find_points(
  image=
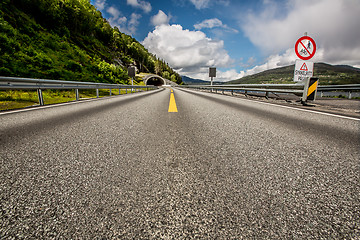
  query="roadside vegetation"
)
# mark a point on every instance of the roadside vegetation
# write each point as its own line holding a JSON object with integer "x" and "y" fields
{"x": 14, "y": 99}
{"x": 67, "y": 40}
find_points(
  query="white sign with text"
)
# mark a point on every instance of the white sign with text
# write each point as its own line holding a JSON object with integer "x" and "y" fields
{"x": 303, "y": 70}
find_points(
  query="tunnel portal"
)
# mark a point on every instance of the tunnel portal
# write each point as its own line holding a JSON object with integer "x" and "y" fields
{"x": 155, "y": 81}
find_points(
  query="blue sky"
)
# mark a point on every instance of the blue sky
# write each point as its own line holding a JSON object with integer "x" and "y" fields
{"x": 238, "y": 37}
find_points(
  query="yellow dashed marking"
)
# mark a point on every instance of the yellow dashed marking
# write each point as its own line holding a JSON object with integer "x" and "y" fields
{"x": 172, "y": 103}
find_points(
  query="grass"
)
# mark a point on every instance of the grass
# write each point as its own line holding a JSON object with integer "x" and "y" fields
{"x": 15, "y": 99}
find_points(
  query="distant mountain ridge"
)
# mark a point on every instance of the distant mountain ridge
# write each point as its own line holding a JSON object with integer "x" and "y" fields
{"x": 328, "y": 75}
{"x": 192, "y": 81}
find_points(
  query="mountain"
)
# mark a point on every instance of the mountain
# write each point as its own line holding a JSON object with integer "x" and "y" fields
{"x": 327, "y": 74}
{"x": 69, "y": 40}
{"x": 191, "y": 81}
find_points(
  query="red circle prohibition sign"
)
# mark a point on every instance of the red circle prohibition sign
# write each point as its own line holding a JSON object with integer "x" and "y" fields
{"x": 305, "y": 48}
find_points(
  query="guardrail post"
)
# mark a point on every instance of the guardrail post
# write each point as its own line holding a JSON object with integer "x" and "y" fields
{"x": 119, "y": 91}
{"x": 305, "y": 91}
{"x": 246, "y": 93}
{"x": 110, "y": 91}
{"x": 40, "y": 96}
{"x": 267, "y": 95}
{"x": 97, "y": 93}
{"x": 349, "y": 94}
{"x": 77, "y": 94}
{"x": 310, "y": 89}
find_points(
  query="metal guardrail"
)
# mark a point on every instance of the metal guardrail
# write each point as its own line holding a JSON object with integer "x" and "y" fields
{"x": 349, "y": 88}
{"x": 296, "y": 89}
{"x": 281, "y": 88}
{"x": 41, "y": 84}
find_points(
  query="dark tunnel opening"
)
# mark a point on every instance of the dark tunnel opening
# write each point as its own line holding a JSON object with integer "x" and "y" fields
{"x": 155, "y": 82}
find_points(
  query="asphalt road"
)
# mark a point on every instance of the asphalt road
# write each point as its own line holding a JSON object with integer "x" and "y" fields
{"x": 219, "y": 168}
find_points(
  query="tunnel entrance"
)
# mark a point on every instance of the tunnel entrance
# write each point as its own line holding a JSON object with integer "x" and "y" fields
{"x": 155, "y": 81}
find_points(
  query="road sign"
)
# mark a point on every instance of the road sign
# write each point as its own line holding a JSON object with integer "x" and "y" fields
{"x": 303, "y": 70}
{"x": 131, "y": 71}
{"x": 212, "y": 72}
{"x": 305, "y": 48}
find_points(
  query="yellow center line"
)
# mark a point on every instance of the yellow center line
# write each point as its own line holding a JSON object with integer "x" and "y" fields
{"x": 172, "y": 103}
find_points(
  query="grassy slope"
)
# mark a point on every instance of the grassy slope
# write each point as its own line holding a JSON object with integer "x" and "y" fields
{"x": 69, "y": 40}
{"x": 30, "y": 50}
{"x": 33, "y": 44}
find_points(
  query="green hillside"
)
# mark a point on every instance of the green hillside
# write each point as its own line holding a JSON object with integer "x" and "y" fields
{"x": 327, "y": 74}
{"x": 69, "y": 40}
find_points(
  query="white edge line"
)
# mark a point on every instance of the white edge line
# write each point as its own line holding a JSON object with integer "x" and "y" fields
{"x": 61, "y": 104}
{"x": 304, "y": 110}
{"x": 47, "y": 106}
{"x": 299, "y": 109}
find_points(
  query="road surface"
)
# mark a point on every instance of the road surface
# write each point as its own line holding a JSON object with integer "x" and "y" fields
{"x": 219, "y": 168}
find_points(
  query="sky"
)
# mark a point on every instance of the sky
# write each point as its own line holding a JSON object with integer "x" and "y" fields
{"x": 238, "y": 37}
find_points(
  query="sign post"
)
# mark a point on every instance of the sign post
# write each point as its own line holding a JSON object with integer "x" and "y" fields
{"x": 305, "y": 48}
{"x": 212, "y": 74}
{"x": 131, "y": 73}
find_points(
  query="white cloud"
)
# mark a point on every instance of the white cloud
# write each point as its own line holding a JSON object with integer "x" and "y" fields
{"x": 200, "y": 4}
{"x": 145, "y": 6}
{"x": 160, "y": 18}
{"x": 209, "y": 23}
{"x": 121, "y": 21}
{"x": 190, "y": 52}
{"x": 274, "y": 61}
{"x": 281, "y": 60}
{"x": 231, "y": 74}
{"x": 133, "y": 23}
{"x": 214, "y": 23}
{"x": 100, "y": 4}
{"x": 332, "y": 23}
{"x": 115, "y": 13}
{"x": 125, "y": 26}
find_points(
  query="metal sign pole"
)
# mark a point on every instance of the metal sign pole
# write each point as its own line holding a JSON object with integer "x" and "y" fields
{"x": 132, "y": 73}
{"x": 212, "y": 74}
{"x": 132, "y": 84}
